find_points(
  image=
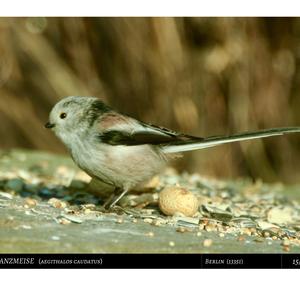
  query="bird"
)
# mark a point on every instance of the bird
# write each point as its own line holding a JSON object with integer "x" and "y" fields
{"x": 122, "y": 151}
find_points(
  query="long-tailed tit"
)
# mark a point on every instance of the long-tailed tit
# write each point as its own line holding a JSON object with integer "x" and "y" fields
{"x": 122, "y": 151}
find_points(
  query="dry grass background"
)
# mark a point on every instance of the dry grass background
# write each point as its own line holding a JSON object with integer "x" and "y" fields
{"x": 203, "y": 76}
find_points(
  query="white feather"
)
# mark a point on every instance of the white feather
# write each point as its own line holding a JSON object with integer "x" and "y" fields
{"x": 214, "y": 141}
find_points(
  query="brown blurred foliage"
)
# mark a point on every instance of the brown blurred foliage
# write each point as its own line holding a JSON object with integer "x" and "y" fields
{"x": 202, "y": 76}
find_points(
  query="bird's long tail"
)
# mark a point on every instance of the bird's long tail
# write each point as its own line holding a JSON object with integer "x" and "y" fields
{"x": 218, "y": 140}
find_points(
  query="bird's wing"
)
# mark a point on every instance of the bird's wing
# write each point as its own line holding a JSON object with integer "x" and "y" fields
{"x": 117, "y": 129}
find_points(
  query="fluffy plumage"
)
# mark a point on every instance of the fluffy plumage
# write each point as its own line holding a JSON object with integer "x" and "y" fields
{"x": 122, "y": 151}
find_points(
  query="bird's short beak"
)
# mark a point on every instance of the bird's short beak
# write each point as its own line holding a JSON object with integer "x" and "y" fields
{"x": 49, "y": 125}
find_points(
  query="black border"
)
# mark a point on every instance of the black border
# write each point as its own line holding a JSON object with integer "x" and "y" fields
{"x": 149, "y": 261}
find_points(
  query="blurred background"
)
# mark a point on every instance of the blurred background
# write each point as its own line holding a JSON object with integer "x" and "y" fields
{"x": 201, "y": 76}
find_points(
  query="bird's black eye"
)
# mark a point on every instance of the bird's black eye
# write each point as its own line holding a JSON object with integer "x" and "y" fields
{"x": 63, "y": 115}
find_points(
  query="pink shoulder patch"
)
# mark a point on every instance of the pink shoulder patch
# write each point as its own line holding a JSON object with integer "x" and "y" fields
{"x": 111, "y": 119}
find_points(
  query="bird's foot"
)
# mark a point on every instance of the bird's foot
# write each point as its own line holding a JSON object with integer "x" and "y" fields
{"x": 110, "y": 203}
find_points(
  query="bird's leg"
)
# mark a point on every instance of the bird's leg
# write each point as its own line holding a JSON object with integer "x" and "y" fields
{"x": 118, "y": 198}
{"x": 112, "y": 202}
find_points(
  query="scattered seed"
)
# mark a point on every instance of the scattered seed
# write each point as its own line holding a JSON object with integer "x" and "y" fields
{"x": 201, "y": 226}
{"x": 241, "y": 238}
{"x": 181, "y": 229}
{"x": 286, "y": 248}
{"x": 90, "y": 206}
{"x": 119, "y": 220}
{"x": 286, "y": 242}
{"x": 148, "y": 220}
{"x": 64, "y": 221}
{"x": 26, "y": 226}
{"x": 210, "y": 227}
{"x": 156, "y": 222}
{"x": 72, "y": 218}
{"x": 56, "y": 203}
{"x": 259, "y": 240}
{"x": 29, "y": 202}
{"x": 207, "y": 242}
{"x": 150, "y": 234}
{"x": 246, "y": 231}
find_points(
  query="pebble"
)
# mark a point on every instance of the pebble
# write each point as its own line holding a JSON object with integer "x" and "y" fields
{"x": 148, "y": 211}
{"x": 56, "y": 203}
{"x": 15, "y": 185}
{"x": 225, "y": 194}
{"x": 45, "y": 192}
{"x": 32, "y": 188}
{"x": 5, "y": 195}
